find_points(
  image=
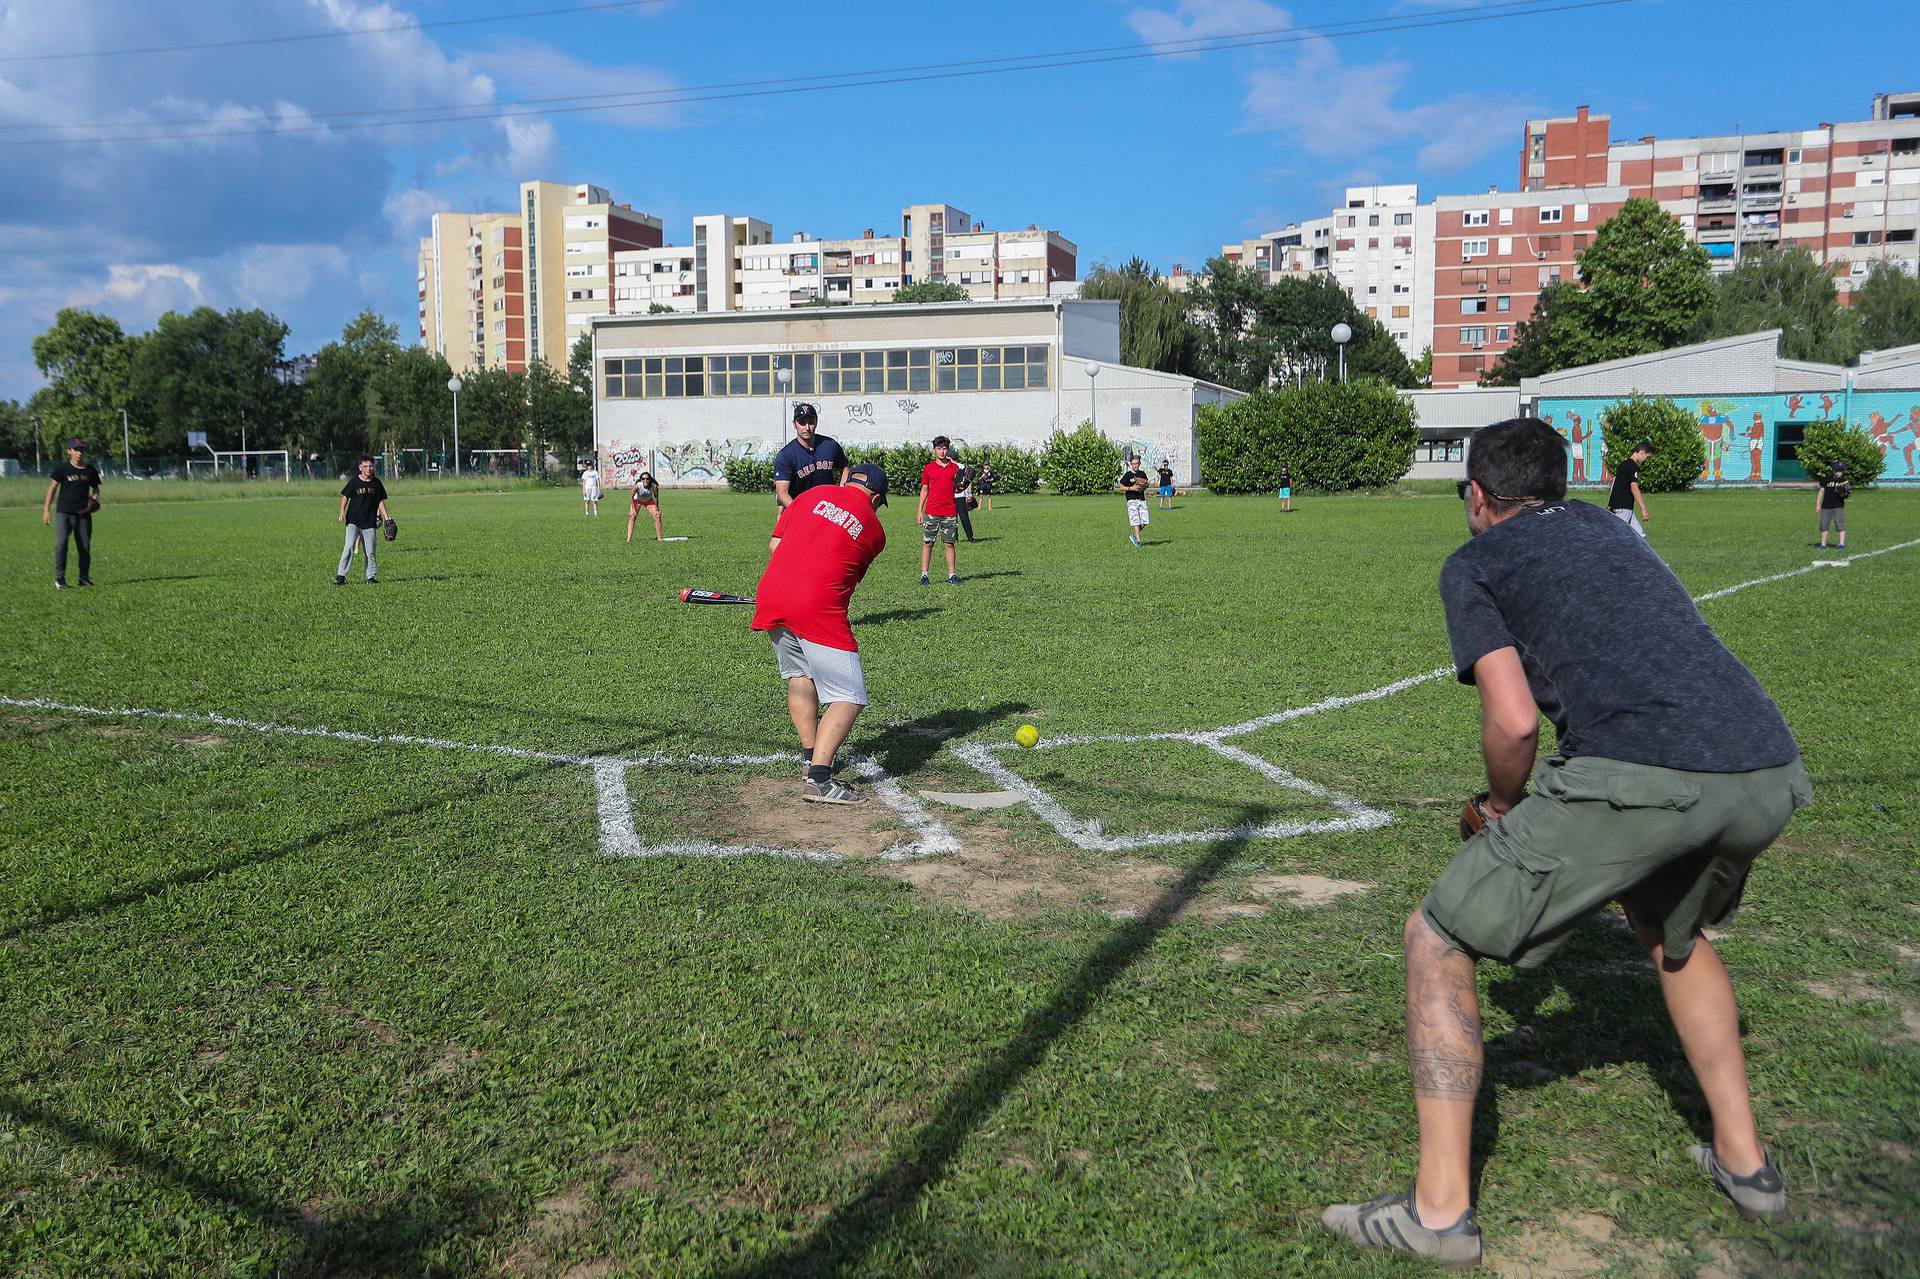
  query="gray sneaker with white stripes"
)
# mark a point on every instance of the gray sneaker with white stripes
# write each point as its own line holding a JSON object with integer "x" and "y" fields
{"x": 1389, "y": 1222}
{"x": 831, "y": 791}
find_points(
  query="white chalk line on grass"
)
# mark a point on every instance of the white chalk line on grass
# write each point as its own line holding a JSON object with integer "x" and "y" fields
{"x": 618, "y": 835}
{"x": 1089, "y": 835}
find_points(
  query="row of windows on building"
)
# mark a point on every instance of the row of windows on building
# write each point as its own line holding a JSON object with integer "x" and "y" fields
{"x": 912, "y": 370}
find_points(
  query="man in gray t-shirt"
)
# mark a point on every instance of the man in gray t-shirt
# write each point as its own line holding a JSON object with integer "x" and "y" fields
{"x": 1672, "y": 771}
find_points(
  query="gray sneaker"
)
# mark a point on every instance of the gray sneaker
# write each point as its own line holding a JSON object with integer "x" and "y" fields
{"x": 831, "y": 791}
{"x": 1759, "y": 1197}
{"x": 1389, "y": 1222}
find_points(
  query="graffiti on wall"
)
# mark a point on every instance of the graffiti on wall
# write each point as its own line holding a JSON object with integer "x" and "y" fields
{"x": 1740, "y": 433}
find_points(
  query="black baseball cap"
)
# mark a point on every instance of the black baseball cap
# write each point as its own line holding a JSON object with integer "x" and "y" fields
{"x": 77, "y": 443}
{"x": 874, "y": 477}
{"x": 805, "y": 412}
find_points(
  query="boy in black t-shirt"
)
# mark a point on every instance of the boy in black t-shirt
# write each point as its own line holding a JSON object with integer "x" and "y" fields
{"x": 363, "y": 508}
{"x": 1166, "y": 485}
{"x": 1133, "y": 485}
{"x": 76, "y": 484}
{"x": 1831, "y": 502}
{"x": 1626, "y": 489}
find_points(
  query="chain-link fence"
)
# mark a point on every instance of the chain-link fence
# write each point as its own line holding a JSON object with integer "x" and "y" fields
{"x": 304, "y": 464}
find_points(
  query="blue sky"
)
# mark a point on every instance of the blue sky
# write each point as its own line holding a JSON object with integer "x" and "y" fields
{"x": 1165, "y": 158}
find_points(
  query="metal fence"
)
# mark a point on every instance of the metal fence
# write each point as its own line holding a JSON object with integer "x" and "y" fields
{"x": 308, "y": 465}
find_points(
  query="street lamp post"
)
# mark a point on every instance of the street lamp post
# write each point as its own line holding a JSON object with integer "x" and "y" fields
{"x": 126, "y": 443}
{"x": 1342, "y": 334}
{"x": 1093, "y": 397}
{"x": 784, "y": 376}
{"x": 454, "y": 384}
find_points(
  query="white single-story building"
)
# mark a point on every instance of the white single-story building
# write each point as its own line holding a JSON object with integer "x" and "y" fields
{"x": 680, "y": 395}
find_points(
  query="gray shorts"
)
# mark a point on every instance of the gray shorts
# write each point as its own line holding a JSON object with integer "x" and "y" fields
{"x": 836, "y": 674}
{"x": 1626, "y": 516}
{"x": 946, "y": 528}
{"x": 1833, "y": 519}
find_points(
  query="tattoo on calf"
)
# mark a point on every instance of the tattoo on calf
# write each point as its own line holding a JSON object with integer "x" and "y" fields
{"x": 1454, "y": 1078}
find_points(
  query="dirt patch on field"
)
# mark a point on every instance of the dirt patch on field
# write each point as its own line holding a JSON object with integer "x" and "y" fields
{"x": 1575, "y": 1245}
{"x": 768, "y": 811}
{"x": 553, "y": 1216}
{"x": 200, "y": 739}
{"x": 1002, "y": 876}
{"x": 1854, "y": 988}
{"x": 118, "y": 730}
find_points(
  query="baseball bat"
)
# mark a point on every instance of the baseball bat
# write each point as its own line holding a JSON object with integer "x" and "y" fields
{"x": 693, "y": 596}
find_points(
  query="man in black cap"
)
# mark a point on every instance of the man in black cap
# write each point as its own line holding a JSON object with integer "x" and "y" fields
{"x": 72, "y": 498}
{"x": 809, "y": 458}
{"x": 1626, "y": 489}
{"x": 821, "y": 548}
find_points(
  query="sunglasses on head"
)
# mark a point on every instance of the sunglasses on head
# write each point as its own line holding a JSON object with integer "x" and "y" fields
{"x": 1461, "y": 487}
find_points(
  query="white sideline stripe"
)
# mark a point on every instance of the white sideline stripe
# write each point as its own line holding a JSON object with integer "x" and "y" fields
{"x": 1088, "y": 834}
{"x": 614, "y": 802}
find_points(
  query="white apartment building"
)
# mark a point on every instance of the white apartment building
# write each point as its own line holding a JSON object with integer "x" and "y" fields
{"x": 1382, "y": 255}
{"x": 571, "y": 234}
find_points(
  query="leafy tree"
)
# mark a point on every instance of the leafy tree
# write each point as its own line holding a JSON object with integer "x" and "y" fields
{"x": 1331, "y": 435}
{"x": 1783, "y": 289}
{"x": 333, "y": 410}
{"x": 1888, "y": 304}
{"x": 1226, "y": 301}
{"x": 1156, "y": 324}
{"x": 931, "y": 291}
{"x": 1423, "y": 368}
{"x": 1080, "y": 463}
{"x": 1253, "y": 333}
{"x": 414, "y": 403}
{"x": 16, "y": 430}
{"x": 1679, "y": 453}
{"x": 1828, "y": 442}
{"x": 557, "y": 411}
{"x": 655, "y": 308}
{"x": 580, "y": 365}
{"x": 217, "y": 372}
{"x": 1643, "y": 287}
{"x": 87, "y": 360}
{"x": 493, "y": 408}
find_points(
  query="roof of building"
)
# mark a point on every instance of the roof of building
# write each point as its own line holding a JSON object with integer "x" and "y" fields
{"x": 862, "y": 310}
{"x": 1747, "y": 364}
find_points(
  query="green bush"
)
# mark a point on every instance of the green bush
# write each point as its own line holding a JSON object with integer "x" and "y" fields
{"x": 1679, "y": 454}
{"x": 902, "y": 463}
{"x": 1830, "y": 442}
{"x": 1331, "y": 435}
{"x": 750, "y": 474}
{"x": 1083, "y": 462}
{"x": 1015, "y": 470}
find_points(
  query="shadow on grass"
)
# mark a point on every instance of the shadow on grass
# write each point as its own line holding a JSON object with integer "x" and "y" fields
{"x": 902, "y": 748}
{"x": 999, "y": 572}
{"x": 406, "y": 1238}
{"x": 894, "y": 615}
{"x": 352, "y": 830}
{"x": 894, "y": 1194}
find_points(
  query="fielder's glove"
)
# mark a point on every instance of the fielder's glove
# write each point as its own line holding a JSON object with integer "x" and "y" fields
{"x": 390, "y": 530}
{"x": 1474, "y": 816}
{"x": 93, "y": 504}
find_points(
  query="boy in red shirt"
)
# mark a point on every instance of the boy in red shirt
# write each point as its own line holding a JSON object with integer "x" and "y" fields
{"x": 822, "y": 545}
{"x": 939, "y": 515}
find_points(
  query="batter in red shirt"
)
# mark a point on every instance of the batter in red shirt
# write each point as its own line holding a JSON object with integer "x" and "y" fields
{"x": 822, "y": 545}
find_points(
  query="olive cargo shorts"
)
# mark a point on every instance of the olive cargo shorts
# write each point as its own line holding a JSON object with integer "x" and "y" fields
{"x": 1674, "y": 846}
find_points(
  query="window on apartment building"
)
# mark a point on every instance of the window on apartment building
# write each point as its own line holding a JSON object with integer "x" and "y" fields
{"x": 1403, "y": 288}
{"x": 1580, "y": 242}
{"x": 1905, "y": 146}
{"x": 1503, "y": 303}
{"x": 1373, "y": 219}
{"x": 1474, "y": 217}
{"x": 1373, "y": 288}
{"x": 1549, "y": 214}
{"x": 1475, "y": 335}
{"x": 1503, "y": 276}
{"x": 1501, "y": 333}
{"x": 1473, "y": 248}
{"x": 1403, "y": 219}
{"x": 1506, "y": 217}
{"x": 1403, "y": 243}
{"x": 1549, "y": 275}
{"x": 1580, "y": 212}
{"x": 1549, "y": 244}
{"x": 1402, "y": 312}
{"x": 1902, "y": 236}
{"x": 499, "y": 259}
{"x": 1506, "y": 245}
{"x": 1473, "y": 306}
{"x": 1793, "y": 155}
{"x": 1475, "y": 276}
{"x": 1861, "y": 238}
{"x": 1342, "y": 246}
{"x": 1474, "y": 364}
{"x": 1373, "y": 244}
{"x": 1346, "y": 220}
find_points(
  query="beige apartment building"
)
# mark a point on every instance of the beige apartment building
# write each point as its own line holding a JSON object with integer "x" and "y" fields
{"x": 471, "y": 294}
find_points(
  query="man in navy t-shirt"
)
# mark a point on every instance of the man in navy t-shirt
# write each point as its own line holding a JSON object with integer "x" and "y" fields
{"x": 809, "y": 459}
{"x": 1671, "y": 771}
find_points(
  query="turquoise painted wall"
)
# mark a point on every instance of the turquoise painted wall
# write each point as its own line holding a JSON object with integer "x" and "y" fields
{"x": 1741, "y": 432}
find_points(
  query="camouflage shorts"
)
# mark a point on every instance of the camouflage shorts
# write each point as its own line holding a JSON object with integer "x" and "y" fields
{"x": 942, "y": 528}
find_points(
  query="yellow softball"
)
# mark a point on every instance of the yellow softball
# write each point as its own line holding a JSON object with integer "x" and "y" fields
{"x": 1027, "y": 735}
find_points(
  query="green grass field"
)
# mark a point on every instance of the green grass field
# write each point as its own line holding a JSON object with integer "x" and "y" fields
{"x": 304, "y": 1004}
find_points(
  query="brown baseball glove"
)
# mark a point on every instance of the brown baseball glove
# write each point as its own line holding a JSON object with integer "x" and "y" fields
{"x": 1474, "y": 816}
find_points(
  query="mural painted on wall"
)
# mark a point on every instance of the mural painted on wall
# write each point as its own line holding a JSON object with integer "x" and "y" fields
{"x": 1742, "y": 433}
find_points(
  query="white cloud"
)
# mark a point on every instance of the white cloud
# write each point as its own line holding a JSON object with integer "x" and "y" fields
{"x": 1202, "y": 19}
{"x": 529, "y": 69}
{"x": 1352, "y": 110}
